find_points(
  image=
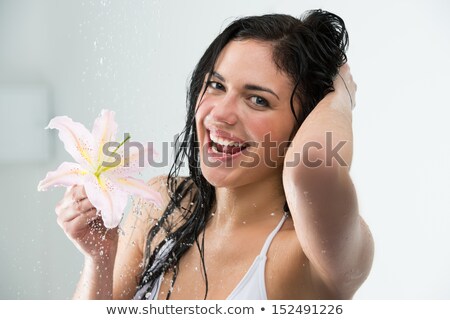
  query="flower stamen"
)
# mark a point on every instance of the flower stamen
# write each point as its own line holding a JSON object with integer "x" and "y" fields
{"x": 100, "y": 168}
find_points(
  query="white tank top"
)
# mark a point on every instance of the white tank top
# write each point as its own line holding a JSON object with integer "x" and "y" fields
{"x": 251, "y": 287}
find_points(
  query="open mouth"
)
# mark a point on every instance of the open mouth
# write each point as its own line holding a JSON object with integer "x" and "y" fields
{"x": 223, "y": 146}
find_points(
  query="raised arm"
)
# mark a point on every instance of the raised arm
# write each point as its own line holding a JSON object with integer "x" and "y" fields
{"x": 322, "y": 197}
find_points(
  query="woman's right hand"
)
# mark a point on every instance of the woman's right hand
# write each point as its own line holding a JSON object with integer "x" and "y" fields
{"x": 84, "y": 226}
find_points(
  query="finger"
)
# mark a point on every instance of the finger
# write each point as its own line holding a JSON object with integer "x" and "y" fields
{"x": 78, "y": 193}
{"x": 82, "y": 205}
{"x": 73, "y": 214}
{"x": 75, "y": 226}
{"x": 345, "y": 68}
{"x": 69, "y": 189}
{"x": 67, "y": 217}
{"x": 70, "y": 205}
{"x": 75, "y": 192}
{"x": 63, "y": 203}
{"x": 70, "y": 196}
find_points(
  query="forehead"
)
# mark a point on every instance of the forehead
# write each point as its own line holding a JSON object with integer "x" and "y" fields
{"x": 251, "y": 61}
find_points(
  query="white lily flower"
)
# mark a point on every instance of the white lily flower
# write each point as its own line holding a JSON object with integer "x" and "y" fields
{"x": 107, "y": 181}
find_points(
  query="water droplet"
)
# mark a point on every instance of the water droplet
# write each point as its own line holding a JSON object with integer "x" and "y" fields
{"x": 101, "y": 252}
{"x": 272, "y": 214}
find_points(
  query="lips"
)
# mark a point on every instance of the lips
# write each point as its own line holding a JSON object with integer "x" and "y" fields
{"x": 225, "y": 144}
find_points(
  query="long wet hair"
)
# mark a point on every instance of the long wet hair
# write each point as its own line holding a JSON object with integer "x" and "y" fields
{"x": 310, "y": 51}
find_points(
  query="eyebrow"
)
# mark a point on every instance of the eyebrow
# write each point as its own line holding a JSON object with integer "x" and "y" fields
{"x": 247, "y": 86}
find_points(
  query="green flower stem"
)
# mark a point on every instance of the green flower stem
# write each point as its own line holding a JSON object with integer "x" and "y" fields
{"x": 100, "y": 168}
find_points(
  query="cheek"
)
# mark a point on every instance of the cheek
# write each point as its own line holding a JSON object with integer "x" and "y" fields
{"x": 273, "y": 137}
{"x": 201, "y": 115}
{"x": 200, "y": 111}
{"x": 268, "y": 129}
{"x": 203, "y": 108}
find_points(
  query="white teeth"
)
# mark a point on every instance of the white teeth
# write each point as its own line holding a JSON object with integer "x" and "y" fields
{"x": 223, "y": 141}
{"x": 215, "y": 149}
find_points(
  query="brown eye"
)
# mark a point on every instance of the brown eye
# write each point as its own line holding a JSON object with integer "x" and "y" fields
{"x": 259, "y": 101}
{"x": 215, "y": 85}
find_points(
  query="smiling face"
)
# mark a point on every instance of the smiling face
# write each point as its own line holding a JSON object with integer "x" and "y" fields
{"x": 244, "y": 117}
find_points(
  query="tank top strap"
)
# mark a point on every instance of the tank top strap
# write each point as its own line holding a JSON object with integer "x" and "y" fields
{"x": 269, "y": 239}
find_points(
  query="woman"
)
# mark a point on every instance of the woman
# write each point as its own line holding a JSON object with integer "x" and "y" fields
{"x": 269, "y": 210}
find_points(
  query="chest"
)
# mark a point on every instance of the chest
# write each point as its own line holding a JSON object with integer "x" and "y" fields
{"x": 228, "y": 261}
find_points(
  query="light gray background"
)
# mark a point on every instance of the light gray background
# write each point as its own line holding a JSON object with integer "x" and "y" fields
{"x": 135, "y": 57}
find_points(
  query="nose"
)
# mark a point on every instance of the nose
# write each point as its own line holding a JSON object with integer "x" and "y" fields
{"x": 225, "y": 109}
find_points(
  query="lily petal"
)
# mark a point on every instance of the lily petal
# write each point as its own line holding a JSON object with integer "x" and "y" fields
{"x": 103, "y": 131}
{"x": 140, "y": 188}
{"x": 133, "y": 162}
{"x": 67, "y": 174}
{"x": 78, "y": 141}
{"x": 107, "y": 198}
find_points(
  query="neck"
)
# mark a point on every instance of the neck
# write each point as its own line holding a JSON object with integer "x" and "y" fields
{"x": 244, "y": 205}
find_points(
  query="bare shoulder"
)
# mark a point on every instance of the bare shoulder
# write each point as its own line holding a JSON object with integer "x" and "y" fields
{"x": 133, "y": 247}
{"x": 144, "y": 214}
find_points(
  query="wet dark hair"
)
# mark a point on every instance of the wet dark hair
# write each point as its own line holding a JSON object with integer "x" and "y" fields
{"x": 310, "y": 51}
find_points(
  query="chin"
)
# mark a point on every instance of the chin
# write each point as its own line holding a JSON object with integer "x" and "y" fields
{"x": 220, "y": 179}
{"x": 233, "y": 177}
